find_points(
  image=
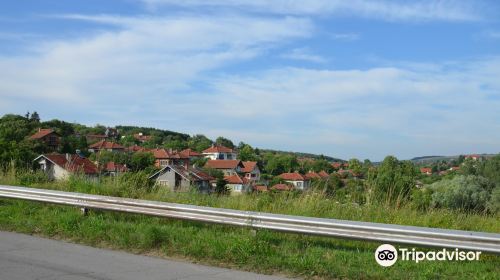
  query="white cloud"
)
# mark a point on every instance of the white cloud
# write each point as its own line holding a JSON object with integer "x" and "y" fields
{"x": 304, "y": 54}
{"x": 345, "y": 36}
{"x": 422, "y": 10}
{"x": 154, "y": 56}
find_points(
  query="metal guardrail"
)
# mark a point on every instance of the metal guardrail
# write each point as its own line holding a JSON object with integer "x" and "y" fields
{"x": 376, "y": 232}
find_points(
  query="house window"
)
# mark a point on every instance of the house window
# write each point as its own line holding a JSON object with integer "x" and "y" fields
{"x": 299, "y": 185}
{"x": 254, "y": 175}
{"x": 163, "y": 162}
{"x": 220, "y": 156}
{"x": 229, "y": 156}
{"x": 163, "y": 182}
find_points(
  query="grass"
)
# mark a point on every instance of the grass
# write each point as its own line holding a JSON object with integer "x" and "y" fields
{"x": 262, "y": 251}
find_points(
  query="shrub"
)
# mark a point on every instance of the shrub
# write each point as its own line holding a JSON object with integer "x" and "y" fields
{"x": 469, "y": 193}
{"x": 30, "y": 177}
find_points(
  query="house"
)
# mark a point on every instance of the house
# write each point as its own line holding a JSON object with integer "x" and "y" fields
{"x": 323, "y": 174}
{"x": 282, "y": 187}
{"x": 191, "y": 154}
{"x": 237, "y": 184}
{"x": 312, "y": 175}
{"x": 48, "y": 136}
{"x": 142, "y": 138}
{"x": 104, "y": 145}
{"x": 260, "y": 188}
{"x": 217, "y": 152}
{"x": 60, "y": 167}
{"x": 251, "y": 171}
{"x": 426, "y": 170}
{"x": 135, "y": 148}
{"x": 228, "y": 167}
{"x": 164, "y": 157}
{"x": 113, "y": 169}
{"x": 296, "y": 179}
{"x": 182, "y": 178}
{"x": 473, "y": 157}
{"x": 454, "y": 168}
{"x": 340, "y": 165}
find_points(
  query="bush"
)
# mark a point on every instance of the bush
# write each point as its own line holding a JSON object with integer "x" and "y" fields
{"x": 469, "y": 193}
{"x": 494, "y": 204}
{"x": 422, "y": 198}
{"x": 29, "y": 177}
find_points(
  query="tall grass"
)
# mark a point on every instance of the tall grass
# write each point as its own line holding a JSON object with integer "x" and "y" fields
{"x": 263, "y": 251}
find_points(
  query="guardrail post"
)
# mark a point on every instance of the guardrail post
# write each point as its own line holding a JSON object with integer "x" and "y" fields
{"x": 85, "y": 211}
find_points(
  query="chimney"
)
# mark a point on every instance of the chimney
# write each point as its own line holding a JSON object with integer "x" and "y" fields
{"x": 68, "y": 157}
{"x": 140, "y": 133}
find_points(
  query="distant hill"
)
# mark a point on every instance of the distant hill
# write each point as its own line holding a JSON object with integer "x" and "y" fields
{"x": 432, "y": 159}
{"x": 304, "y": 155}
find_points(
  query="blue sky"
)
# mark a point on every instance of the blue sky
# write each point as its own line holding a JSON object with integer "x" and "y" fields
{"x": 348, "y": 79}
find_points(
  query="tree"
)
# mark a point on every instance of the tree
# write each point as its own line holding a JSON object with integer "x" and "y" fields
{"x": 221, "y": 187}
{"x": 141, "y": 160}
{"x": 199, "y": 142}
{"x": 393, "y": 181}
{"x": 355, "y": 166}
{"x": 246, "y": 153}
{"x": 35, "y": 117}
{"x": 221, "y": 141}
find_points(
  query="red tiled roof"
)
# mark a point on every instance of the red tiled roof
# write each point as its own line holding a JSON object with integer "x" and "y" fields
{"x": 223, "y": 164}
{"x": 218, "y": 149}
{"x": 282, "y": 187}
{"x": 103, "y": 144}
{"x": 312, "y": 175}
{"x": 234, "y": 179}
{"x": 167, "y": 154}
{"x": 75, "y": 163}
{"x": 115, "y": 167}
{"x": 292, "y": 176}
{"x": 142, "y": 138}
{"x": 323, "y": 174}
{"x": 42, "y": 132}
{"x": 260, "y": 188}
{"x": 190, "y": 153}
{"x": 248, "y": 166}
{"x": 426, "y": 170}
{"x": 136, "y": 148}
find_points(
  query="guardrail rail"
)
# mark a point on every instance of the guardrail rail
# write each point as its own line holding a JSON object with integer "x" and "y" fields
{"x": 376, "y": 232}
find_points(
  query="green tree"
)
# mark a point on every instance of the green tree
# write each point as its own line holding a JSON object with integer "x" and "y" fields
{"x": 221, "y": 141}
{"x": 141, "y": 160}
{"x": 246, "y": 153}
{"x": 393, "y": 180}
{"x": 355, "y": 166}
{"x": 199, "y": 142}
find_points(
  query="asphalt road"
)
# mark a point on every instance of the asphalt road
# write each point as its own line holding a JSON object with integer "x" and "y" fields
{"x": 26, "y": 257}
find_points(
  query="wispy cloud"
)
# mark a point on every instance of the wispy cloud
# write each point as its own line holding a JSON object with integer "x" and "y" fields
{"x": 304, "y": 54}
{"x": 345, "y": 36}
{"x": 422, "y": 10}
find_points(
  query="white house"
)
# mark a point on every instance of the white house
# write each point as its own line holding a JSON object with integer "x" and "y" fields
{"x": 219, "y": 153}
{"x": 60, "y": 167}
{"x": 297, "y": 180}
{"x": 251, "y": 171}
{"x": 237, "y": 184}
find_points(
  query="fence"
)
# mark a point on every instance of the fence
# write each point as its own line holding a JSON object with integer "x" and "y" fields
{"x": 375, "y": 232}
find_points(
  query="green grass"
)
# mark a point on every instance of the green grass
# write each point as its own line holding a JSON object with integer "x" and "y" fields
{"x": 262, "y": 251}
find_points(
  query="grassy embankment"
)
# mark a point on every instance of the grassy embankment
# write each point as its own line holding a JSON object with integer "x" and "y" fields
{"x": 265, "y": 251}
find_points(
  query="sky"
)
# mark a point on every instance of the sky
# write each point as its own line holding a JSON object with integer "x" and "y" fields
{"x": 347, "y": 79}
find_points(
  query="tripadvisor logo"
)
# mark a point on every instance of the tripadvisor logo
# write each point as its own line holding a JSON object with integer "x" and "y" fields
{"x": 387, "y": 255}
